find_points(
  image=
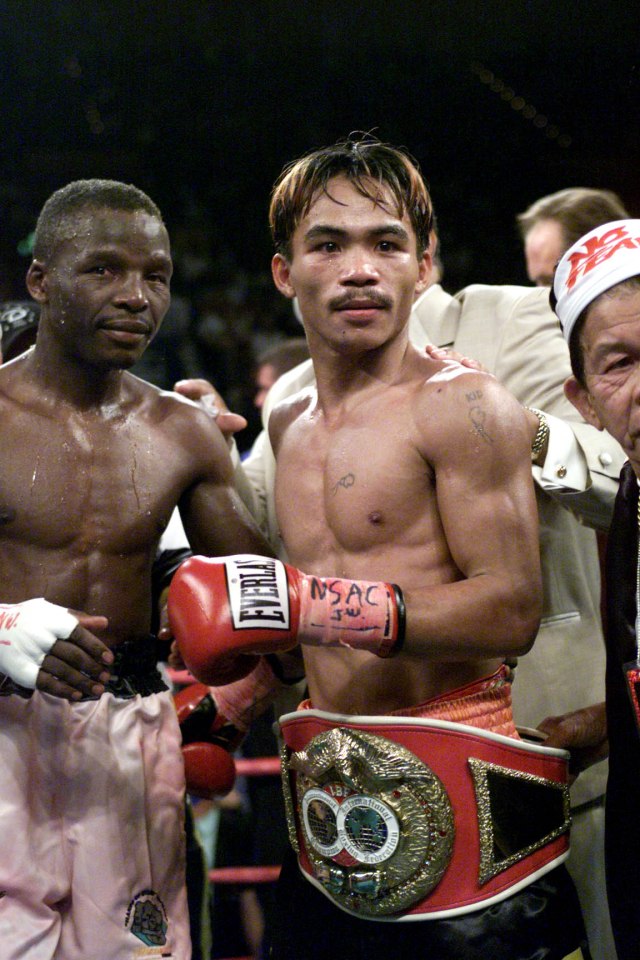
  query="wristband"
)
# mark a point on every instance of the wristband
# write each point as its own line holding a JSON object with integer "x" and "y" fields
{"x": 28, "y": 630}
{"x": 359, "y": 614}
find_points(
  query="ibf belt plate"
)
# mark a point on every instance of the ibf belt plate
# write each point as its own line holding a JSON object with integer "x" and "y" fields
{"x": 376, "y": 822}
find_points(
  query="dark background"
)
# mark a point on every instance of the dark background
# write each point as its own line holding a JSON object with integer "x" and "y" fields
{"x": 201, "y": 104}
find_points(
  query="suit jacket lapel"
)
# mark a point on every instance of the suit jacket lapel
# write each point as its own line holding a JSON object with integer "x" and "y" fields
{"x": 434, "y": 318}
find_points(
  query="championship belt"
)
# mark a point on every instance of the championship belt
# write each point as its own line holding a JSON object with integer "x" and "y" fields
{"x": 399, "y": 818}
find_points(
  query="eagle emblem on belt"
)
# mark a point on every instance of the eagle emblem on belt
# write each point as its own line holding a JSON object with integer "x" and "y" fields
{"x": 376, "y": 822}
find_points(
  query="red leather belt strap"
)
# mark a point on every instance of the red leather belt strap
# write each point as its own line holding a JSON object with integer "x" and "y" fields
{"x": 399, "y": 818}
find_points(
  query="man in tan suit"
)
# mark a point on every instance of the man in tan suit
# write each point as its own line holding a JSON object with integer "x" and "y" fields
{"x": 514, "y": 334}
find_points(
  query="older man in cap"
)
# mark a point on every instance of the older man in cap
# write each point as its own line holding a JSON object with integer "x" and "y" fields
{"x": 596, "y": 295}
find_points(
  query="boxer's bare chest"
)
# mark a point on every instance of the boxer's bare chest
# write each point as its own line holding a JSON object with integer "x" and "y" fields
{"x": 81, "y": 482}
{"x": 352, "y": 485}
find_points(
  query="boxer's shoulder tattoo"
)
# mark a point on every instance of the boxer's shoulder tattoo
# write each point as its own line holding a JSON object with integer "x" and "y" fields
{"x": 346, "y": 481}
{"x": 477, "y": 415}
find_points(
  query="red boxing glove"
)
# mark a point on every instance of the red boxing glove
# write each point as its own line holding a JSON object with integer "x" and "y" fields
{"x": 213, "y": 722}
{"x": 207, "y": 739}
{"x": 200, "y": 718}
{"x": 209, "y": 770}
{"x": 226, "y": 611}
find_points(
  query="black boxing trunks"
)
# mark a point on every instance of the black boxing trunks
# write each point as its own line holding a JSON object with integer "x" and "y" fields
{"x": 541, "y": 922}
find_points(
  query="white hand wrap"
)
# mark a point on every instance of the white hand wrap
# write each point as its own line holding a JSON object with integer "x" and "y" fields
{"x": 27, "y": 632}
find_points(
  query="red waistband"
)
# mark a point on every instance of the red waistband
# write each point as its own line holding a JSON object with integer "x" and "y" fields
{"x": 409, "y": 819}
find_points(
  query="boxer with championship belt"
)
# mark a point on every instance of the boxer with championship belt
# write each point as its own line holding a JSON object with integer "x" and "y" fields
{"x": 421, "y": 824}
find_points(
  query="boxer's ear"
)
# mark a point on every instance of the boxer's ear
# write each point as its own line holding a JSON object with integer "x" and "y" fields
{"x": 37, "y": 281}
{"x": 425, "y": 271}
{"x": 281, "y": 272}
{"x": 580, "y": 397}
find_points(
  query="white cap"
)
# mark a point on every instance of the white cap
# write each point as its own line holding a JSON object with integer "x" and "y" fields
{"x": 598, "y": 261}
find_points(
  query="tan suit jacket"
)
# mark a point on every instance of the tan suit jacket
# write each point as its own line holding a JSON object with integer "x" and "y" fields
{"x": 514, "y": 334}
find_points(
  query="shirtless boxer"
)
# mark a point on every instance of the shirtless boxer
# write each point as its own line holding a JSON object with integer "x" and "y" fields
{"x": 94, "y": 462}
{"x": 411, "y": 476}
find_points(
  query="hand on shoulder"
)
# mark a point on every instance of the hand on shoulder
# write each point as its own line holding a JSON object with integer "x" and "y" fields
{"x": 448, "y": 355}
{"x": 205, "y": 395}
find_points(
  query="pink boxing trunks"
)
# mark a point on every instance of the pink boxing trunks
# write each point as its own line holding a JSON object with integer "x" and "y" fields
{"x": 92, "y": 829}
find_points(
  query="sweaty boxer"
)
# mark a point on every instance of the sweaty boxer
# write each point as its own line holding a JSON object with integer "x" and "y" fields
{"x": 94, "y": 461}
{"x": 422, "y": 825}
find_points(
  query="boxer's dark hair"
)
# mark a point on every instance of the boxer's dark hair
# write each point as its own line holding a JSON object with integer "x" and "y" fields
{"x": 370, "y": 165}
{"x": 64, "y": 206}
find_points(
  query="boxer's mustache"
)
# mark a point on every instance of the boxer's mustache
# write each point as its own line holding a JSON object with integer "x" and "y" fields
{"x": 360, "y": 298}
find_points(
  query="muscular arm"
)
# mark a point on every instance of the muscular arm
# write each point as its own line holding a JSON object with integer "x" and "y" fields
{"x": 215, "y": 519}
{"x": 514, "y": 333}
{"x": 479, "y": 451}
{"x": 205, "y": 395}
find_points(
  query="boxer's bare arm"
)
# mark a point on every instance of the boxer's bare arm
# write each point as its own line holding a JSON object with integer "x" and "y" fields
{"x": 476, "y": 437}
{"x": 215, "y": 519}
{"x": 207, "y": 397}
{"x": 447, "y": 353}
